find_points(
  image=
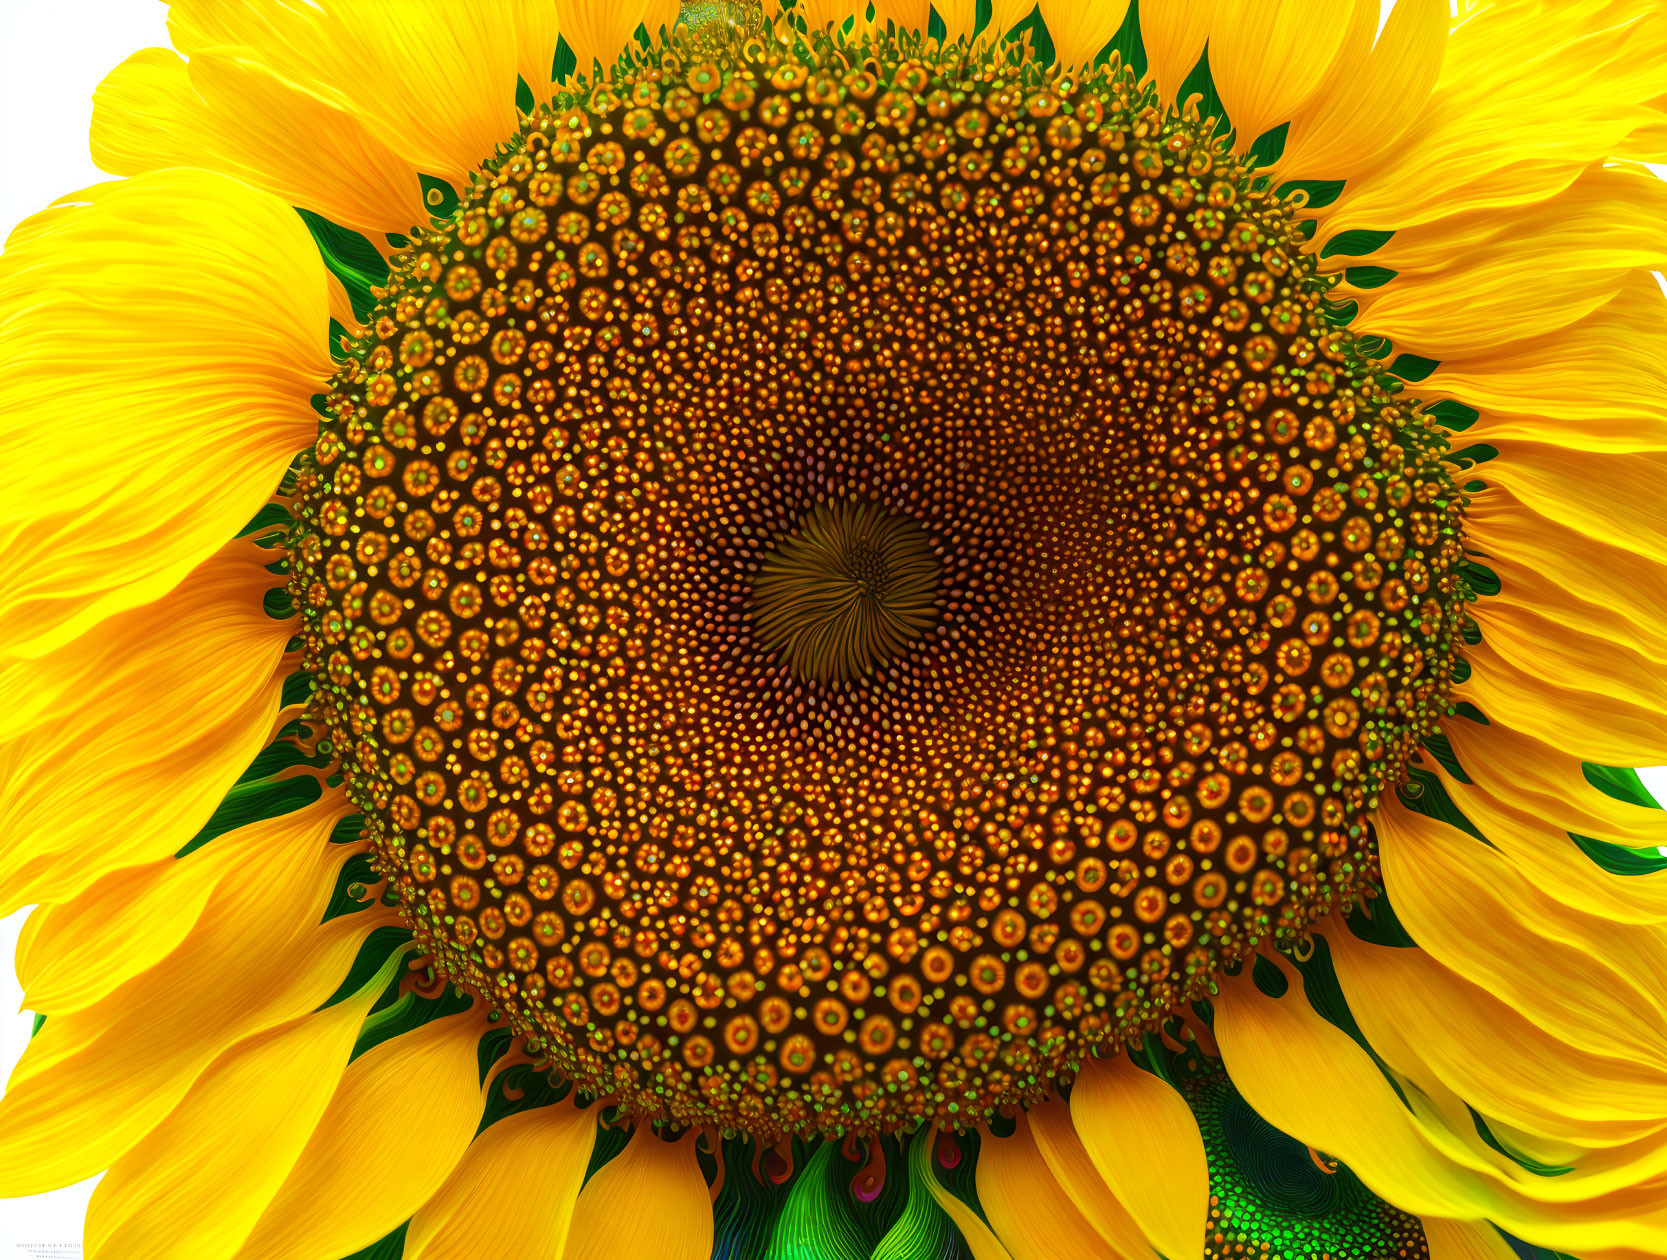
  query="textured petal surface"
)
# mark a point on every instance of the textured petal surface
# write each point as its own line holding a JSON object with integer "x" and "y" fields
{"x": 399, "y": 1122}
{"x": 1373, "y": 92}
{"x": 1145, "y": 1143}
{"x": 97, "y": 1079}
{"x": 1267, "y": 58}
{"x": 512, "y": 1193}
{"x": 611, "y": 1221}
{"x": 434, "y": 83}
{"x": 228, "y": 111}
{"x": 124, "y": 740}
{"x": 196, "y": 1184}
{"x": 1035, "y": 1216}
{"x": 190, "y": 313}
{"x": 1080, "y": 30}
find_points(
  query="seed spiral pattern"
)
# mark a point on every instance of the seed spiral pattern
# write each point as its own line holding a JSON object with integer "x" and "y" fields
{"x": 1173, "y": 576}
{"x": 849, "y": 588}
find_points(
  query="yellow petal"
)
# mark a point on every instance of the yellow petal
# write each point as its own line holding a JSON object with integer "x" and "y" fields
{"x": 97, "y": 1079}
{"x": 77, "y": 952}
{"x": 1268, "y": 57}
{"x": 983, "y": 1244}
{"x": 162, "y": 338}
{"x": 1467, "y": 287}
{"x": 611, "y": 1223}
{"x": 1174, "y": 32}
{"x": 1030, "y": 1212}
{"x": 1372, "y": 93}
{"x": 512, "y": 1193}
{"x": 1465, "y": 1240}
{"x": 909, "y": 15}
{"x": 1602, "y": 497}
{"x": 1310, "y": 1079}
{"x": 434, "y": 82}
{"x": 195, "y": 1186}
{"x": 1584, "y": 647}
{"x": 124, "y": 740}
{"x": 1591, "y": 983}
{"x": 1527, "y": 796}
{"x": 1602, "y": 728}
{"x": 1145, "y": 1143}
{"x": 1080, "y": 29}
{"x": 661, "y": 17}
{"x": 959, "y": 17}
{"x": 536, "y": 35}
{"x": 398, "y": 1123}
{"x": 1599, "y": 384}
{"x": 1005, "y": 15}
{"x": 1528, "y": 96}
{"x": 820, "y": 14}
{"x": 227, "y": 111}
{"x": 1429, "y": 1023}
{"x": 1548, "y": 567}
{"x": 598, "y": 30}
{"x": 1062, "y": 1149}
{"x": 1633, "y": 624}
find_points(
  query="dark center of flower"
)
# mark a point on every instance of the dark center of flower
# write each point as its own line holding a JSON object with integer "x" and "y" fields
{"x": 845, "y": 578}
{"x": 849, "y": 588}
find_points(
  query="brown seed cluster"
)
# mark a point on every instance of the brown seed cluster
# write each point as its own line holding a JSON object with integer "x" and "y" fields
{"x": 1182, "y": 591}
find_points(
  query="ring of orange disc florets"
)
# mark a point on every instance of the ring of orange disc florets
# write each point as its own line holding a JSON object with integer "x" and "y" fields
{"x": 1182, "y": 594}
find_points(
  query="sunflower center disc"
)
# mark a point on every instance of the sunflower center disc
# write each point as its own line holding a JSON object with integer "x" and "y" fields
{"x": 847, "y": 577}
{"x": 852, "y": 586}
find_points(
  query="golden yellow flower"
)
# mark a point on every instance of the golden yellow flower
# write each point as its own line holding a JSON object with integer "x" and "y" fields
{"x": 951, "y": 630}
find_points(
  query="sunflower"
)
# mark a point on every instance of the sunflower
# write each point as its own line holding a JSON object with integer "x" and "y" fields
{"x": 968, "y": 630}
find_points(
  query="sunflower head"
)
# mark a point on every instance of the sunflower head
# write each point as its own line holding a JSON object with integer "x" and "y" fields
{"x": 879, "y": 645}
{"x": 852, "y": 572}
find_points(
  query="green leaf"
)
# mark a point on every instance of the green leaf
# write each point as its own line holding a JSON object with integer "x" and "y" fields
{"x": 1341, "y": 313}
{"x": 1270, "y": 145}
{"x": 1455, "y": 415}
{"x": 254, "y": 802}
{"x": 1321, "y": 192}
{"x": 1201, "y": 82}
{"x": 1465, "y": 709}
{"x": 356, "y": 872}
{"x": 1381, "y": 926}
{"x": 1413, "y": 367}
{"x": 439, "y": 196}
{"x": 1620, "y": 783}
{"x": 407, "y": 1014}
{"x": 351, "y": 259}
{"x": 611, "y": 1139}
{"x": 1269, "y": 978}
{"x": 1441, "y": 748}
{"x": 1356, "y": 243}
{"x": 924, "y": 1230}
{"x": 1369, "y": 277}
{"x": 1481, "y": 579}
{"x": 1425, "y": 794}
{"x": 1618, "y": 859}
{"x": 271, "y": 515}
{"x": 520, "y": 1087}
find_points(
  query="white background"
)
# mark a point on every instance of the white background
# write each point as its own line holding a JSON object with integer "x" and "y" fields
{"x": 52, "y": 55}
